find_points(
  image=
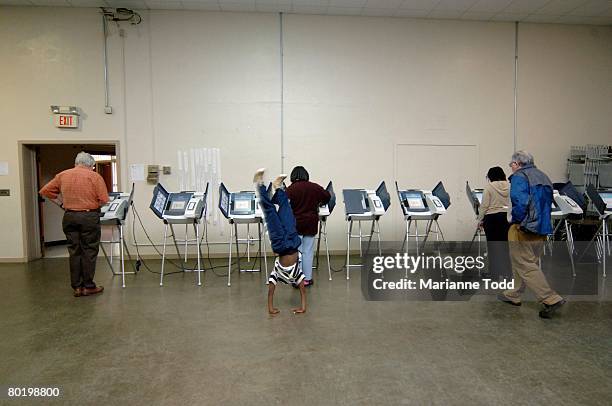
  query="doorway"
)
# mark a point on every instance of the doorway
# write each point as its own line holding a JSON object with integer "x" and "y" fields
{"x": 40, "y": 163}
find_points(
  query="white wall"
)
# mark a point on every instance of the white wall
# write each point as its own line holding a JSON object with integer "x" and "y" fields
{"x": 358, "y": 89}
{"x": 565, "y": 91}
{"x": 47, "y": 58}
{"x": 359, "y": 93}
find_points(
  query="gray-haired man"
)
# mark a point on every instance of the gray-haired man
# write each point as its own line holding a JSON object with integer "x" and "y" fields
{"x": 531, "y": 195}
{"x": 81, "y": 192}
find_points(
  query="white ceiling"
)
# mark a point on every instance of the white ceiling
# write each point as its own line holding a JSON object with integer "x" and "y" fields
{"x": 596, "y": 12}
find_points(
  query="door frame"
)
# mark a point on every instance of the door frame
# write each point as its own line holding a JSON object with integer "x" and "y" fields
{"x": 30, "y": 217}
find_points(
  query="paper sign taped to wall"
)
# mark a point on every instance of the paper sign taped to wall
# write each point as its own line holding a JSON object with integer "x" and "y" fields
{"x": 3, "y": 168}
{"x": 137, "y": 172}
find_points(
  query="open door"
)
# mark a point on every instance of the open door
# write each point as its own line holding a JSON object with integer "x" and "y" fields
{"x": 32, "y": 229}
{"x": 43, "y": 234}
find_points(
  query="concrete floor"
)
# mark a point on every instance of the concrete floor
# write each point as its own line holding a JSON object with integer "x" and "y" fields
{"x": 188, "y": 345}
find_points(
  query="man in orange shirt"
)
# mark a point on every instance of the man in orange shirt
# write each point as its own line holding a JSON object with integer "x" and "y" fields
{"x": 80, "y": 191}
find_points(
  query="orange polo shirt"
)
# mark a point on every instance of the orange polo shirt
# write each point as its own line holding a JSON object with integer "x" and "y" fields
{"x": 80, "y": 187}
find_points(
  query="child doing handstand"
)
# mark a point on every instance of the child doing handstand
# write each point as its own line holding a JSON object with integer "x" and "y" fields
{"x": 283, "y": 237}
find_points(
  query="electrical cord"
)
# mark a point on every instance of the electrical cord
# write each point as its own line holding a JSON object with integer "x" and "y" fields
{"x": 208, "y": 258}
{"x": 142, "y": 261}
{"x": 212, "y": 268}
{"x": 181, "y": 267}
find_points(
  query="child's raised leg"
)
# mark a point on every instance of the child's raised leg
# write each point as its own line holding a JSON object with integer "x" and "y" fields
{"x": 276, "y": 231}
{"x": 286, "y": 217}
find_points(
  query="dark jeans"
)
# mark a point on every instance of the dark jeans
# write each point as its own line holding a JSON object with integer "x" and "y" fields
{"x": 496, "y": 229}
{"x": 281, "y": 224}
{"x": 82, "y": 231}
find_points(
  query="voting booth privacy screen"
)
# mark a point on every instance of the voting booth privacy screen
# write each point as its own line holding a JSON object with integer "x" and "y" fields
{"x": 596, "y": 198}
{"x": 440, "y": 192}
{"x": 475, "y": 196}
{"x": 568, "y": 189}
{"x": 332, "y": 201}
{"x": 383, "y": 195}
{"x": 224, "y": 200}
{"x": 159, "y": 200}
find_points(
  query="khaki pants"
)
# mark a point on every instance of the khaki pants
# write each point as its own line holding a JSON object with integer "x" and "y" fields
{"x": 525, "y": 252}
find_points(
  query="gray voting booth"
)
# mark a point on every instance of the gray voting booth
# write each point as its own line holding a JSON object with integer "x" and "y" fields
{"x": 242, "y": 208}
{"x": 324, "y": 212}
{"x": 113, "y": 216}
{"x": 186, "y": 208}
{"x": 364, "y": 205}
{"x": 420, "y": 205}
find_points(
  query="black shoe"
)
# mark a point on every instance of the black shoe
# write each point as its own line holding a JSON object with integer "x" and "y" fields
{"x": 92, "y": 291}
{"x": 548, "y": 310}
{"x": 505, "y": 299}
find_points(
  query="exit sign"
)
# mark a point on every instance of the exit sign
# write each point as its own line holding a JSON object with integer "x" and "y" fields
{"x": 66, "y": 120}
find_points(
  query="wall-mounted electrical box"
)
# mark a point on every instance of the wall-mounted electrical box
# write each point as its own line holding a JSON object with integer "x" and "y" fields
{"x": 153, "y": 174}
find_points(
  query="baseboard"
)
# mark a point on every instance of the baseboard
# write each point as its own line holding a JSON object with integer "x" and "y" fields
{"x": 17, "y": 260}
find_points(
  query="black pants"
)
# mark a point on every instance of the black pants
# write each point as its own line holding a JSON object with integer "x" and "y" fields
{"x": 496, "y": 229}
{"x": 82, "y": 231}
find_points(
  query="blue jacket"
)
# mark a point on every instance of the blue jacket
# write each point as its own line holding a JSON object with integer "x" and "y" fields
{"x": 531, "y": 194}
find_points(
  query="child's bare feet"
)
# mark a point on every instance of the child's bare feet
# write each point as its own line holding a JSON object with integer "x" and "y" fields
{"x": 258, "y": 177}
{"x": 273, "y": 310}
{"x": 298, "y": 310}
{"x": 276, "y": 183}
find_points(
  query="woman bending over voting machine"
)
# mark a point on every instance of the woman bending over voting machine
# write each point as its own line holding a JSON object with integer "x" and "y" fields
{"x": 283, "y": 237}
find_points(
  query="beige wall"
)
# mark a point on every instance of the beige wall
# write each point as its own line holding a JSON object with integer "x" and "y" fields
{"x": 359, "y": 89}
{"x": 565, "y": 91}
{"x": 359, "y": 93}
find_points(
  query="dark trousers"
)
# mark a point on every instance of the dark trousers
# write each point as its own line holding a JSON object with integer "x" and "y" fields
{"x": 82, "y": 231}
{"x": 496, "y": 229}
{"x": 281, "y": 224}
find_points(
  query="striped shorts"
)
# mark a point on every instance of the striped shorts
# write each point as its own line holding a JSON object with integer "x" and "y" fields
{"x": 287, "y": 274}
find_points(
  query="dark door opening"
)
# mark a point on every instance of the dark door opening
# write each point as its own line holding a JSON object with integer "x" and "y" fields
{"x": 51, "y": 159}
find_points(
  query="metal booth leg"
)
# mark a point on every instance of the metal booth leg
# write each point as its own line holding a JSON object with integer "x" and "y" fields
{"x": 229, "y": 261}
{"x": 237, "y": 247}
{"x": 121, "y": 255}
{"x": 327, "y": 251}
{"x": 605, "y": 247}
{"x": 248, "y": 242}
{"x": 319, "y": 234}
{"x": 112, "y": 240}
{"x": 570, "y": 249}
{"x": 360, "y": 240}
{"x": 349, "y": 230}
{"x": 161, "y": 278}
{"x": 199, "y": 270}
{"x": 186, "y": 240}
{"x": 262, "y": 239}
{"x": 378, "y": 236}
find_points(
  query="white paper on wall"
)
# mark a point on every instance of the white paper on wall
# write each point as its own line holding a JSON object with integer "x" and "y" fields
{"x": 196, "y": 168}
{"x": 137, "y": 172}
{"x": 4, "y": 168}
